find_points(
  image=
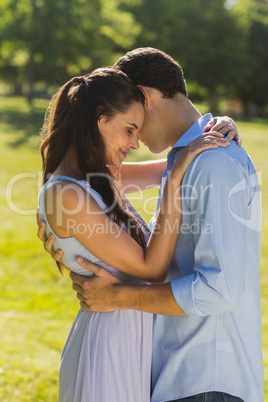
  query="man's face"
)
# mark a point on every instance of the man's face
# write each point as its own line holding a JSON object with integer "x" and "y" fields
{"x": 153, "y": 131}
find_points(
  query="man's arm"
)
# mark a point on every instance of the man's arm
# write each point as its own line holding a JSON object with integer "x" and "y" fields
{"x": 218, "y": 195}
{"x": 104, "y": 293}
{"x": 217, "y": 281}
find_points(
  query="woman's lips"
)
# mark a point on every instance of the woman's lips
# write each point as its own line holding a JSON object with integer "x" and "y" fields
{"x": 124, "y": 153}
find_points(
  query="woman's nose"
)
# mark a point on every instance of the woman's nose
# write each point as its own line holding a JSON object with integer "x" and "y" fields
{"x": 134, "y": 143}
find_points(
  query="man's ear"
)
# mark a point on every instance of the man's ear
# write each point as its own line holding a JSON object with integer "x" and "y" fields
{"x": 145, "y": 94}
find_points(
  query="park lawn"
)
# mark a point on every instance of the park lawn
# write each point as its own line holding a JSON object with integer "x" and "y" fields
{"x": 38, "y": 305}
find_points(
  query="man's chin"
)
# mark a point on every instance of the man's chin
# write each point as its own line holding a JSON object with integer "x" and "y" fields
{"x": 155, "y": 149}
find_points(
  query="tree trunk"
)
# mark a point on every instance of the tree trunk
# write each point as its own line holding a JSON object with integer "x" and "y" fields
{"x": 213, "y": 104}
{"x": 31, "y": 70}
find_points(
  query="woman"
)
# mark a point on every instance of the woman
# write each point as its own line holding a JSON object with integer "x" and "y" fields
{"x": 91, "y": 125}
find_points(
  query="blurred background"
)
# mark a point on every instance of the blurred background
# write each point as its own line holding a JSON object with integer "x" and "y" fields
{"x": 222, "y": 46}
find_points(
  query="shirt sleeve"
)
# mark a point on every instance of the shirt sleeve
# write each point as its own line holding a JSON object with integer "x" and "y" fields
{"x": 218, "y": 197}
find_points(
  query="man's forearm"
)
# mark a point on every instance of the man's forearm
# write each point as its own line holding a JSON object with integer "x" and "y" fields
{"x": 104, "y": 292}
{"x": 157, "y": 299}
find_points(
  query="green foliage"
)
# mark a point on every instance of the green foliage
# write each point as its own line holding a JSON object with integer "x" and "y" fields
{"x": 38, "y": 305}
{"x": 52, "y": 40}
{"x": 200, "y": 35}
{"x": 253, "y": 88}
{"x": 221, "y": 44}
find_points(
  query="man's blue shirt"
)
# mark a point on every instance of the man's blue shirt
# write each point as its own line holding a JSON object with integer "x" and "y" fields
{"x": 215, "y": 279}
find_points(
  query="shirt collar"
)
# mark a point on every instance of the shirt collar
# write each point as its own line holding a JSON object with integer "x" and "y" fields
{"x": 194, "y": 131}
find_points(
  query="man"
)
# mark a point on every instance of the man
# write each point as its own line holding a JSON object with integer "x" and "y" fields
{"x": 207, "y": 327}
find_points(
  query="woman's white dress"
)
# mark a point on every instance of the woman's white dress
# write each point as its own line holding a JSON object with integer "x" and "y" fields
{"x": 107, "y": 356}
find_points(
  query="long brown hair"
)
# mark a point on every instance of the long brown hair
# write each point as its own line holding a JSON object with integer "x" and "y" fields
{"x": 71, "y": 123}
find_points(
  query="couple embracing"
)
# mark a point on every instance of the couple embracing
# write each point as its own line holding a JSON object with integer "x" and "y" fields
{"x": 167, "y": 315}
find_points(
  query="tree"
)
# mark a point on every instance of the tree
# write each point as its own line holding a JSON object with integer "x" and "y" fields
{"x": 52, "y": 40}
{"x": 253, "y": 88}
{"x": 204, "y": 36}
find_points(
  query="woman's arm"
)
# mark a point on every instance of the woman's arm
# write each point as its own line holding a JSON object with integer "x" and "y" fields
{"x": 77, "y": 214}
{"x": 139, "y": 176}
{"x": 107, "y": 240}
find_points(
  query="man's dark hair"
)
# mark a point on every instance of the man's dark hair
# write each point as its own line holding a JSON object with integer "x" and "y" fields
{"x": 153, "y": 68}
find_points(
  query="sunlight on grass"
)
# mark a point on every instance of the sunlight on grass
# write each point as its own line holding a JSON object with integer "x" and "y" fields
{"x": 37, "y": 304}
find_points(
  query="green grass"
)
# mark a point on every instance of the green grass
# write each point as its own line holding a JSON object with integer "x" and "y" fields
{"x": 37, "y": 305}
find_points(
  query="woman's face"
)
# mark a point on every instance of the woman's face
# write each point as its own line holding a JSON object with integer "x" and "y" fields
{"x": 120, "y": 132}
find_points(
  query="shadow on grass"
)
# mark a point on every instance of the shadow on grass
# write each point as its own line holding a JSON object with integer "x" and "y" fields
{"x": 25, "y": 125}
{"x": 20, "y": 121}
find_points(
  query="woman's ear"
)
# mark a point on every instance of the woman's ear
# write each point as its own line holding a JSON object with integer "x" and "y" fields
{"x": 101, "y": 121}
{"x": 145, "y": 94}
